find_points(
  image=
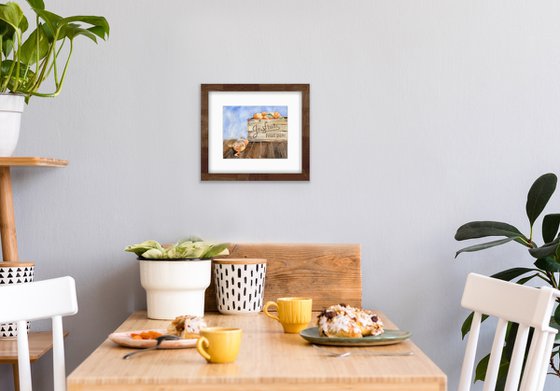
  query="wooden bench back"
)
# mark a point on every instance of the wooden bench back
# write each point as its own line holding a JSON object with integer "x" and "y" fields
{"x": 328, "y": 273}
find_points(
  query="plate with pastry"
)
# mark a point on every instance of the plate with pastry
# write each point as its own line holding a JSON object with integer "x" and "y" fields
{"x": 343, "y": 325}
{"x": 186, "y": 327}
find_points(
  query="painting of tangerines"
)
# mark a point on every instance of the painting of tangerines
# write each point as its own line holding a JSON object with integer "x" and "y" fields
{"x": 255, "y": 132}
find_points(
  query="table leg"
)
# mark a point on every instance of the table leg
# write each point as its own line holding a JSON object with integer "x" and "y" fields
{"x": 15, "y": 372}
{"x": 7, "y": 220}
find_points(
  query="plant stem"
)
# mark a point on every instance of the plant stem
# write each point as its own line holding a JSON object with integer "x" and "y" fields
{"x": 555, "y": 369}
{"x": 59, "y": 85}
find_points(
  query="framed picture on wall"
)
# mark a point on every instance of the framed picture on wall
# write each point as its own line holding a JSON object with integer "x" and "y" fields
{"x": 254, "y": 132}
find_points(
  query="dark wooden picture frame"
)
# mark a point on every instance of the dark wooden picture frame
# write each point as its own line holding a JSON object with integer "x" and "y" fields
{"x": 206, "y": 175}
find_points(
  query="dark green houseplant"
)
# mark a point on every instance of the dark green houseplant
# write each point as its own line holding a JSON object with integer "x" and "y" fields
{"x": 28, "y": 58}
{"x": 545, "y": 263}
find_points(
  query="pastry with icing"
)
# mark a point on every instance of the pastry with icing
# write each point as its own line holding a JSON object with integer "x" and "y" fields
{"x": 186, "y": 326}
{"x": 342, "y": 320}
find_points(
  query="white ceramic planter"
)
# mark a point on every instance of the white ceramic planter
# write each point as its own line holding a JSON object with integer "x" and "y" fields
{"x": 175, "y": 288}
{"x": 11, "y": 107}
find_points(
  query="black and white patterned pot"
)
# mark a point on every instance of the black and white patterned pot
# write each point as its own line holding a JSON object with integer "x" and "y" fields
{"x": 14, "y": 273}
{"x": 239, "y": 285}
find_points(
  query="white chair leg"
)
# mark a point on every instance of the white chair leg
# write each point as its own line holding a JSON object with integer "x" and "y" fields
{"x": 24, "y": 365}
{"x": 59, "y": 373}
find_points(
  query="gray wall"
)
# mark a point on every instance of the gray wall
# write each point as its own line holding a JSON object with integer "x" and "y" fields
{"x": 424, "y": 115}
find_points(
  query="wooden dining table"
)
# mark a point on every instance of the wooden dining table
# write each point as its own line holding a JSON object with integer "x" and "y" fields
{"x": 268, "y": 359}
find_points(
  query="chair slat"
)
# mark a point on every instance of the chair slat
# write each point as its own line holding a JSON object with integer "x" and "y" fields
{"x": 59, "y": 371}
{"x": 534, "y": 361}
{"x": 24, "y": 365}
{"x": 495, "y": 356}
{"x": 470, "y": 353}
{"x": 514, "y": 372}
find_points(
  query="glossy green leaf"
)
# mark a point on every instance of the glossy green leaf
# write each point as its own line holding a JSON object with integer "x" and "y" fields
{"x": 39, "y": 4}
{"x": 7, "y": 65}
{"x": 510, "y": 274}
{"x": 141, "y": 248}
{"x": 155, "y": 253}
{"x": 481, "y": 368}
{"x": 99, "y": 22}
{"x": 6, "y": 29}
{"x": 467, "y": 323}
{"x": 72, "y": 30}
{"x": 555, "y": 322}
{"x": 99, "y": 31}
{"x": 7, "y": 46}
{"x": 523, "y": 281}
{"x": 480, "y": 229}
{"x": 52, "y": 22}
{"x": 546, "y": 250}
{"x": 538, "y": 196}
{"x": 28, "y": 52}
{"x": 215, "y": 250}
{"x": 550, "y": 226}
{"x": 12, "y": 14}
{"x": 483, "y": 246}
{"x": 548, "y": 264}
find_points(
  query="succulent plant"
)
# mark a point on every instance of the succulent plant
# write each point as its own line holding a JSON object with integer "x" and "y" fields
{"x": 189, "y": 248}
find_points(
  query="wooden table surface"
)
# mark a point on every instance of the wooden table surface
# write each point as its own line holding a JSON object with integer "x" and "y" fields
{"x": 268, "y": 359}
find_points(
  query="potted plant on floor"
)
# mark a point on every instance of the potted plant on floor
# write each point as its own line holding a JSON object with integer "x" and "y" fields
{"x": 29, "y": 58}
{"x": 175, "y": 277}
{"x": 545, "y": 266}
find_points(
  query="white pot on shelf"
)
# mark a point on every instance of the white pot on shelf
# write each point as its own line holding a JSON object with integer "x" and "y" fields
{"x": 11, "y": 107}
{"x": 176, "y": 287}
{"x": 14, "y": 273}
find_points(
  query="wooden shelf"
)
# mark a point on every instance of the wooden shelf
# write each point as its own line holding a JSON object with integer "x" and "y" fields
{"x": 32, "y": 161}
{"x": 7, "y": 220}
{"x": 40, "y": 342}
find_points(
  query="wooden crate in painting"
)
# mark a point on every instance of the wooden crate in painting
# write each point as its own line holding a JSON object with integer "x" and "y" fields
{"x": 267, "y": 138}
{"x": 267, "y": 130}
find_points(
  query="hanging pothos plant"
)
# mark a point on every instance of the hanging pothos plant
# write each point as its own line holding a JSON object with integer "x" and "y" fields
{"x": 545, "y": 266}
{"x": 27, "y": 59}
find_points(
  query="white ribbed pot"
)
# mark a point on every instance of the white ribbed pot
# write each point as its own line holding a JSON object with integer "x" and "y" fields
{"x": 11, "y": 107}
{"x": 176, "y": 287}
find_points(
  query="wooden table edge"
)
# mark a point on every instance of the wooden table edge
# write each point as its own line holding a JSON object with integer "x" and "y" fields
{"x": 273, "y": 385}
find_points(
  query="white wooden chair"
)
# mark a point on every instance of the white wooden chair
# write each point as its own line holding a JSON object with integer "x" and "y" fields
{"x": 531, "y": 308}
{"x": 20, "y": 303}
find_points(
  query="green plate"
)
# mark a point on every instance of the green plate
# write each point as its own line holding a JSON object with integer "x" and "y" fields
{"x": 389, "y": 337}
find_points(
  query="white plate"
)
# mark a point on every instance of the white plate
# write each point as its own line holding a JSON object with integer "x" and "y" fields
{"x": 125, "y": 339}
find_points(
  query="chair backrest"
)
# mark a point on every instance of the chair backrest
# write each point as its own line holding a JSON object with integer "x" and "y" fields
{"x": 20, "y": 303}
{"x": 531, "y": 308}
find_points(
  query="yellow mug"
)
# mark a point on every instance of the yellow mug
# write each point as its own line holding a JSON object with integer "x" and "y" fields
{"x": 294, "y": 313}
{"x": 219, "y": 345}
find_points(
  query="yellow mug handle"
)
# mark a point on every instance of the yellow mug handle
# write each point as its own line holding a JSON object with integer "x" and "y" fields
{"x": 201, "y": 345}
{"x": 270, "y": 304}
